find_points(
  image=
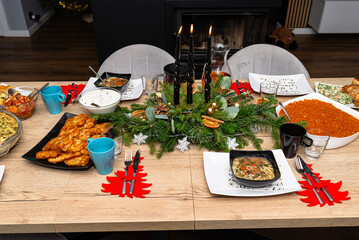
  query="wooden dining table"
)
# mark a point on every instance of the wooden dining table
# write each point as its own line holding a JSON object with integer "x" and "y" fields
{"x": 38, "y": 199}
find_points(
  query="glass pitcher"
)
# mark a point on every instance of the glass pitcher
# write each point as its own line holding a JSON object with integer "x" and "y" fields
{"x": 219, "y": 62}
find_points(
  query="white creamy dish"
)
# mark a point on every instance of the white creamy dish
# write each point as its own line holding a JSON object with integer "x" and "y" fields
{"x": 101, "y": 97}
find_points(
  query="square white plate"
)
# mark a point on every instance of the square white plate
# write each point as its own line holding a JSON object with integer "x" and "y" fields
{"x": 334, "y": 142}
{"x": 220, "y": 179}
{"x": 133, "y": 91}
{"x": 290, "y": 85}
{"x": 351, "y": 105}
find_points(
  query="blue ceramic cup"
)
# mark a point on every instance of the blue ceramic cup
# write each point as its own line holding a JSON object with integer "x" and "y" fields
{"x": 102, "y": 152}
{"x": 53, "y": 98}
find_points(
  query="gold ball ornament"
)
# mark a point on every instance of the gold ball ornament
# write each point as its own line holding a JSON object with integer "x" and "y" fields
{"x": 210, "y": 111}
{"x": 236, "y": 105}
{"x": 214, "y": 105}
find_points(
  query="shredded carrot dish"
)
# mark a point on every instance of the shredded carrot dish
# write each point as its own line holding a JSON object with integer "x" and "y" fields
{"x": 322, "y": 115}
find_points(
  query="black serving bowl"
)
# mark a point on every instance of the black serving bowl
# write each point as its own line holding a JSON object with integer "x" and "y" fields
{"x": 262, "y": 154}
{"x": 105, "y": 75}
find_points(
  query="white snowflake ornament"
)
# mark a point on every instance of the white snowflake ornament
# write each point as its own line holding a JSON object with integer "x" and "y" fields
{"x": 231, "y": 143}
{"x": 139, "y": 139}
{"x": 183, "y": 144}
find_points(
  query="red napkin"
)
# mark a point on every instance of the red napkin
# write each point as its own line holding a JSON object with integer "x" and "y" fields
{"x": 77, "y": 87}
{"x": 243, "y": 86}
{"x": 332, "y": 188}
{"x": 116, "y": 183}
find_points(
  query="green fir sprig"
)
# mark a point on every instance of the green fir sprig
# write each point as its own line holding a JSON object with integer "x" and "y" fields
{"x": 186, "y": 120}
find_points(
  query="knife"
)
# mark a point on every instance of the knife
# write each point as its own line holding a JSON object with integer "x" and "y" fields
{"x": 68, "y": 97}
{"x": 135, "y": 166}
{"x": 309, "y": 172}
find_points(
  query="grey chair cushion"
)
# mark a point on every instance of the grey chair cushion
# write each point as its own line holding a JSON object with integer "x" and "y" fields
{"x": 137, "y": 59}
{"x": 264, "y": 59}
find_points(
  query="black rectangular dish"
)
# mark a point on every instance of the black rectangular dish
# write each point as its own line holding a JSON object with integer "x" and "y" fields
{"x": 31, "y": 154}
{"x": 267, "y": 155}
{"x": 106, "y": 75}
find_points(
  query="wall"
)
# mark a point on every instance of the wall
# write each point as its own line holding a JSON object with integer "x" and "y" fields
{"x": 14, "y": 17}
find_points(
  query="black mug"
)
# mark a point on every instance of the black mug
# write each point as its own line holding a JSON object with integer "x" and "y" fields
{"x": 291, "y": 137}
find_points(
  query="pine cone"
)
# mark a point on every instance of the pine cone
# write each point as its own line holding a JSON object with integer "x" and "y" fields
{"x": 161, "y": 108}
{"x": 229, "y": 102}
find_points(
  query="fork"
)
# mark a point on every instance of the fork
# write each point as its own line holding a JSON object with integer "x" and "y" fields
{"x": 128, "y": 162}
{"x": 299, "y": 168}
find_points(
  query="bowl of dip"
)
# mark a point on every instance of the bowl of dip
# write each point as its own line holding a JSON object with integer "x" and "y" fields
{"x": 106, "y": 99}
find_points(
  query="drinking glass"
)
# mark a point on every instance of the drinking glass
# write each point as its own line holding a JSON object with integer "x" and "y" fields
{"x": 148, "y": 83}
{"x": 320, "y": 140}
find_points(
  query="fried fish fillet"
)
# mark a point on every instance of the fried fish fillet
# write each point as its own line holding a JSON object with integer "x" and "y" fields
{"x": 77, "y": 145}
{"x": 86, "y": 133}
{"x": 63, "y": 142}
{"x": 79, "y": 161}
{"x": 90, "y": 123}
{"x": 102, "y": 128}
{"x": 70, "y": 129}
{"x": 63, "y": 156}
{"x": 84, "y": 151}
{"x": 50, "y": 145}
{"x": 77, "y": 121}
{"x": 47, "y": 154}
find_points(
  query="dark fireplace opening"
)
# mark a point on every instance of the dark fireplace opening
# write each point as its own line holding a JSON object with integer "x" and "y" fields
{"x": 236, "y": 29}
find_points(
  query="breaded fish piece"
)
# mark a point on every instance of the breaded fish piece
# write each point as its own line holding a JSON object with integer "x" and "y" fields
{"x": 86, "y": 133}
{"x": 77, "y": 145}
{"x": 90, "y": 123}
{"x": 50, "y": 145}
{"x": 47, "y": 154}
{"x": 80, "y": 161}
{"x": 70, "y": 129}
{"x": 84, "y": 151}
{"x": 103, "y": 127}
{"x": 63, "y": 156}
{"x": 63, "y": 142}
{"x": 77, "y": 121}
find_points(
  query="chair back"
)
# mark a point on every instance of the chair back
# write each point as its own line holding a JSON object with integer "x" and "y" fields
{"x": 264, "y": 59}
{"x": 137, "y": 59}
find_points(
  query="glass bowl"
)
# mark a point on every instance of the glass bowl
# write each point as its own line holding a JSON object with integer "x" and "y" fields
{"x": 12, "y": 140}
{"x": 23, "y": 110}
{"x": 107, "y": 100}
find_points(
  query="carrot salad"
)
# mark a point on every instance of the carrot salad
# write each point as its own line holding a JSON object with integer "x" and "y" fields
{"x": 322, "y": 115}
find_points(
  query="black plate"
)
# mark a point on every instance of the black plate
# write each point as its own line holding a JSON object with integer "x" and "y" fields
{"x": 119, "y": 75}
{"x": 31, "y": 155}
{"x": 262, "y": 154}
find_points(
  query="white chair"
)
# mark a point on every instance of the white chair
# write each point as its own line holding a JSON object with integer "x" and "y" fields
{"x": 137, "y": 59}
{"x": 264, "y": 59}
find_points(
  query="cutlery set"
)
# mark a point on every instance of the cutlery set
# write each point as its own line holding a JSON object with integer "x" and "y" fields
{"x": 302, "y": 168}
{"x": 69, "y": 94}
{"x": 128, "y": 162}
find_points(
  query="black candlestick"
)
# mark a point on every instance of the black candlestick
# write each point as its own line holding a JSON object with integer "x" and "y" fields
{"x": 190, "y": 79}
{"x": 208, "y": 69}
{"x": 176, "y": 84}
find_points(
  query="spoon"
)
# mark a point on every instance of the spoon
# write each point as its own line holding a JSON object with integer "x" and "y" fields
{"x": 96, "y": 105}
{"x": 285, "y": 111}
{"x": 34, "y": 93}
{"x": 96, "y": 73}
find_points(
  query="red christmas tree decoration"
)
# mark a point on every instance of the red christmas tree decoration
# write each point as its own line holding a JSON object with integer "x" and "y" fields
{"x": 332, "y": 188}
{"x": 116, "y": 183}
{"x": 243, "y": 87}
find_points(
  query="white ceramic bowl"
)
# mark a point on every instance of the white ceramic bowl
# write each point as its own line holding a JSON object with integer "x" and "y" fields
{"x": 107, "y": 99}
{"x": 334, "y": 142}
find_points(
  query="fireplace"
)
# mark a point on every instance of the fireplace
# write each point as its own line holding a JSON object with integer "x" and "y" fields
{"x": 237, "y": 23}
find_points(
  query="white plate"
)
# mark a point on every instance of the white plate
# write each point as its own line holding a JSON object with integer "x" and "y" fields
{"x": 2, "y": 170}
{"x": 351, "y": 105}
{"x": 220, "y": 179}
{"x": 133, "y": 91}
{"x": 290, "y": 85}
{"x": 334, "y": 142}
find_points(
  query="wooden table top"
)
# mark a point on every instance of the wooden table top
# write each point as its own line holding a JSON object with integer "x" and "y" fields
{"x": 39, "y": 199}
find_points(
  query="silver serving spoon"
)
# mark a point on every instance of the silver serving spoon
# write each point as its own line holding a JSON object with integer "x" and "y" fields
{"x": 95, "y": 105}
{"x": 33, "y": 94}
{"x": 96, "y": 73}
{"x": 285, "y": 111}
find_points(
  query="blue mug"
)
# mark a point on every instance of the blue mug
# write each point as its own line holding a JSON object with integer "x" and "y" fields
{"x": 102, "y": 152}
{"x": 53, "y": 98}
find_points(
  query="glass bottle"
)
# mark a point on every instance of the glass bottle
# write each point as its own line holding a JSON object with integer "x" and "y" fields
{"x": 219, "y": 61}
